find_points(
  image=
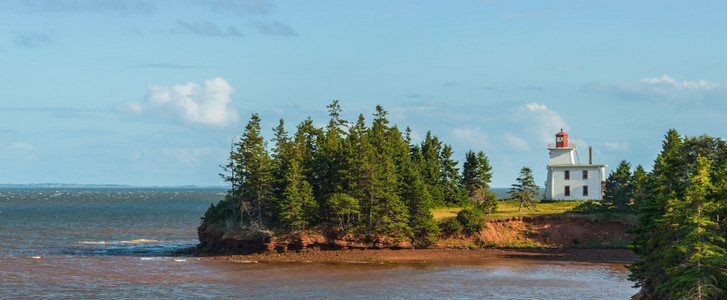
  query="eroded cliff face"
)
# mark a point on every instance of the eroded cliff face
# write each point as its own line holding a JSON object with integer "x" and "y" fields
{"x": 218, "y": 241}
{"x": 548, "y": 231}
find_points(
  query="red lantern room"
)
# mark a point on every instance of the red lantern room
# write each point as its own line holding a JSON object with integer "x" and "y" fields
{"x": 561, "y": 139}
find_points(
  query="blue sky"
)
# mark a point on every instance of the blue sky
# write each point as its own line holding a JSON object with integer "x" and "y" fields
{"x": 147, "y": 92}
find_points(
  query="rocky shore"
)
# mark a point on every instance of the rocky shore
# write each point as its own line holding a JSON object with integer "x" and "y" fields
{"x": 525, "y": 232}
{"x": 437, "y": 255}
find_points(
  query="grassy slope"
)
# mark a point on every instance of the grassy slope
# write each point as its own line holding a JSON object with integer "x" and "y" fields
{"x": 509, "y": 208}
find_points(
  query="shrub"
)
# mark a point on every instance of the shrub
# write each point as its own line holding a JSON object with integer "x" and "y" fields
{"x": 450, "y": 226}
{"x": 218, "y": 215}
{"x": 590, "y": 207}
{"x": 472, "y": 220}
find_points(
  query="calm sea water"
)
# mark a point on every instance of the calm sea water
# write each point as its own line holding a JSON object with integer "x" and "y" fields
{"x": 120, "y": 244}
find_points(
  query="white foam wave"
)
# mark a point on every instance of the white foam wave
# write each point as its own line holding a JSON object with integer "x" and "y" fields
{"x": 139, "y": 241}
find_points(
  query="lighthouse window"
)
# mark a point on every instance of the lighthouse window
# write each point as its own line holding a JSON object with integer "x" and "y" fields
{"x": 585, "y": 190}
{"x": 567, "y": 175}
{"x": 567, "y": 190}
{"x": 585, "y": 174}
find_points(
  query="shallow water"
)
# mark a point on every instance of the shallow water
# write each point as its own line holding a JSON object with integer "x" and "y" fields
{"x": 104, "y": 244}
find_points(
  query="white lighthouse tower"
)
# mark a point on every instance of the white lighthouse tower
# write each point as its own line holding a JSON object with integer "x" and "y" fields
{"x": 568, "y": 180}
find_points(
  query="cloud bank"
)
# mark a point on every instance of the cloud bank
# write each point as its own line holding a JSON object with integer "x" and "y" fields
{"x": 664, "y": 89}
{"x": 191, "y": 103}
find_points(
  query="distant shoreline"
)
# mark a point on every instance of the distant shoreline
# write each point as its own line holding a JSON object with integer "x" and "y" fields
{"x": 439, "y": 255}
{"x": 71, "y": 186}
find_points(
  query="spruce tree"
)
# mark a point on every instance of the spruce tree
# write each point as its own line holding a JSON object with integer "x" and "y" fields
{"x": 619, "y": 189}
{"x": 524, "y": 190}
{"x": 253, "y": 168}
{"x": 694, "y": 264}
{"x": 665, "y": 185}
{"x": 476, "y": 175}
{"x": 431, "y": 168}
{"x": 449, "y": 178}
{"x": 638, "y": 182}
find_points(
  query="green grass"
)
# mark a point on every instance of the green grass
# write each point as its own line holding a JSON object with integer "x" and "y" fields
{"x": 509, "y": 208}
{"x": 443, "y": 213}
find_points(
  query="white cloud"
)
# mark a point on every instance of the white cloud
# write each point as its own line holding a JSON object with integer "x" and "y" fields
{"x": 665, "y": 90}
{"x": 190, "y": 103}
{"x": 470, "y": 136}
{"x": 683, "y": 85}
{"x": 536, "y": 123}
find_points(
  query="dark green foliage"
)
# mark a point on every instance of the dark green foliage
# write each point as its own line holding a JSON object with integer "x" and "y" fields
{"x": 619, "y": 190}
{"x": 475, "y": 183}
{"x": 347, "y": 178}
{"x": 525, "y": 190}
{"x": 681, "y": 233}
{"x": 450, "y": 226}
{"x": 345, "y": 209}
{"x": 471, "y": 219}
{"x": 219, "y": 215}
{"x": 590, "y": 207}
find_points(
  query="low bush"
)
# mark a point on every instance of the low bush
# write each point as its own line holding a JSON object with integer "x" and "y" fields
{"x": 472, "y": 220}
{"x": 450, "y": 226}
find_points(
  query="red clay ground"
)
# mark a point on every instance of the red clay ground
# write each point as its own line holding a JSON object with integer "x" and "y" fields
{"x": 439, "y": 255}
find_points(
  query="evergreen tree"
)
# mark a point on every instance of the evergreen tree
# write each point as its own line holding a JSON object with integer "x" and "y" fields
{"x": 345, "y": 210}
{"x": 330, "y": 161}
{"x": 664, "y": 185}
{"x": 253, "y": 170}
{"x": 476, "y": 175}
{"x": 359, "y": 178}
{"x": 525, "y": 189}
{"x": 695, "y": 263}
{"x": 388, "y": 211}
{"x": 638, "y": 182}
{"x": 431, "y": 168}
{"x": 414, "y": 192}
{"x": 619, "y": 188}
{"x": 297, "y": 206}
{"x": 449, "y": 178}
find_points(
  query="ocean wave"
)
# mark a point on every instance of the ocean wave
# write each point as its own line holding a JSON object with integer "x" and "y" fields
{"x": 139, "y": 241}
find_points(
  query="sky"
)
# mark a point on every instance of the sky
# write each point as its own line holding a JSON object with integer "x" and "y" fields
{"x": 153, "y": 92}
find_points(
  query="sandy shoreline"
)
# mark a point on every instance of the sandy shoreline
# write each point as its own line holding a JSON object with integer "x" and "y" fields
{"x": 440, "y": 255}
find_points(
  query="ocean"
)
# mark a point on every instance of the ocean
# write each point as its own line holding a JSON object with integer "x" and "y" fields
{"x": 122, "y": 243}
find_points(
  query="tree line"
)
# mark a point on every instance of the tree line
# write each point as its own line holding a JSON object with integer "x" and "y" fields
{"x": 351, "y": 177}
{"x": 682, "y": 210}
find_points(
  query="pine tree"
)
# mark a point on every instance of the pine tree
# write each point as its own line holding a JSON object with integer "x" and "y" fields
{"x": 431, "y": 168}
{"x": 421, "y": 221}
{"x": 476, "y": 175}
{"x": 449, "y": 178}
{"x": 253, "y": 168}
{"x": 525, "y": 189}
{"x": 619, "y": 189}
{"x": 330, "y": 161}
{"x": 388, "y": 211}
{"x": 665, "y": 185}
{"x": 359, "y": 178}
{"x": 638, "y": 182}
{"x": 695, "y": 263}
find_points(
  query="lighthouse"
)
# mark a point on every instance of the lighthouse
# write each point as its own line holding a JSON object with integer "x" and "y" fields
{"x": 568, "y": 179}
